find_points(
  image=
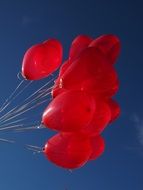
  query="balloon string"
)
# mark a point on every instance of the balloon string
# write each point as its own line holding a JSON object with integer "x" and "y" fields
{"x": 37, "y": 91}
{"x": 39, "y": 97}
{"x": 28, "y": 98}
{"x": 13, "y": 122}
{"x": 3, "y": 105}
{"x": 11, "y": 127}
{"x": 33, "y": 146}
{"x": 35, "y": 149}
{"x": 22, "y": 107}
{"x": 4, "y": 124}
{"x": 21, "y": 127}
{"x": 26, "y": 110}
{"x": 6, "y": 140}
{"x": 29, "y": 128}
{"x": 13, "y": 95}
{"x": 20, "y": 76}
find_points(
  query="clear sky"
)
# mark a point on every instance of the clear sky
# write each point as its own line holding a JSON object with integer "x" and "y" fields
{"x": 24, "y": 23}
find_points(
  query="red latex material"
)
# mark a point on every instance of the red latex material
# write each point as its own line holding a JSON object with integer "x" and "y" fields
{"x": 100, "y": 120}
{"x": 91, "y": 72}
{"x": 41, "y": 60}
{"x": 98, "y": 146}
{"x": 115, "y": 109}
{"x": 109, "y": 45}
{"x": 64, "y": 67}
{"x": 70, "y": 111}
{"x": 82, "y": 105}
{"x": 80, "y": 43}
{"x": 68, "y": 151}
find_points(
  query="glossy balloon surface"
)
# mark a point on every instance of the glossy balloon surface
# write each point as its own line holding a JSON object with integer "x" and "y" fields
{"x": 68, "y": 151}
{"x": 82, "y": 103}
{"x": 41, "y": 60}
{"x": 98, "y": 146}
{"x": 69, "y": 111}
{"x": 110, "y": 46}
{"x": 80, "y": 43}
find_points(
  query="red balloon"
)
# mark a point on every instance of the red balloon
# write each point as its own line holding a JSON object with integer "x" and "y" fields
{"x": 80, "y": 43}
{"x": 109, "y": 45}
{"x": 68, "y": 150}
{"x": 57, "y": 88}
{"x": 91, "y": 72}
{"x": 41, "y": 60}
{"x": 70, "y": 111}
{"x": 104, "y": 87}
{"x": 82, "y": 106}
{"x": 101, "y": 118}
{"x": 115, "y": 109}
{"x": 102, "y": 80}
{"x": 98, "y": 146}
{"x": 90, "y": 63}
{"x": 64, "y": 67}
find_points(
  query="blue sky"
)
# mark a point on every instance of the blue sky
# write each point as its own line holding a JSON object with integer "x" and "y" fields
{"x": 24, "y": 23}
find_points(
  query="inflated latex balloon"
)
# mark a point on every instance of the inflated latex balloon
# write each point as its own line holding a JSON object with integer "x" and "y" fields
{"x": 69, "y": 111}
{"x": 104, "y": 81}
{"x": 110, "y": 46}
{"x": 64, "y": 67}
{"x": 41, "y": 60}
{"x": 104, "y": 88}
{"x": 80, "y": 43}
{"x": 91, "y": 72}
{"x": 115, "y": 109}
{"x": 98, "y": 146}
{"x": 68, "y": 151}
{"x": 100, "y": 120}
{"x": 90, "y": 63}
{"x": 58, "y": 88}
{"x": 82, "y": 105}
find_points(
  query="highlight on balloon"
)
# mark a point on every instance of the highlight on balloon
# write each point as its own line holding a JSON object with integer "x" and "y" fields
{"x": 78, "y": 104}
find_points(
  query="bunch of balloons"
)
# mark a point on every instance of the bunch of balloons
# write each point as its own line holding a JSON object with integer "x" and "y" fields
{"x": 82, "y": 104}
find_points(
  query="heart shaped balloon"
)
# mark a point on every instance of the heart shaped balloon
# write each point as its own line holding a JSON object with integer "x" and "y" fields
{"x": 42, "y": 59}
{"x": 80, "y": 43}
{"x": 68, "y": 150}
{"x": 109, "y": 45}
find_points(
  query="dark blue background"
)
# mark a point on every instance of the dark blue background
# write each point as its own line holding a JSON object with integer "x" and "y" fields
{"x": 24, "y": 23}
